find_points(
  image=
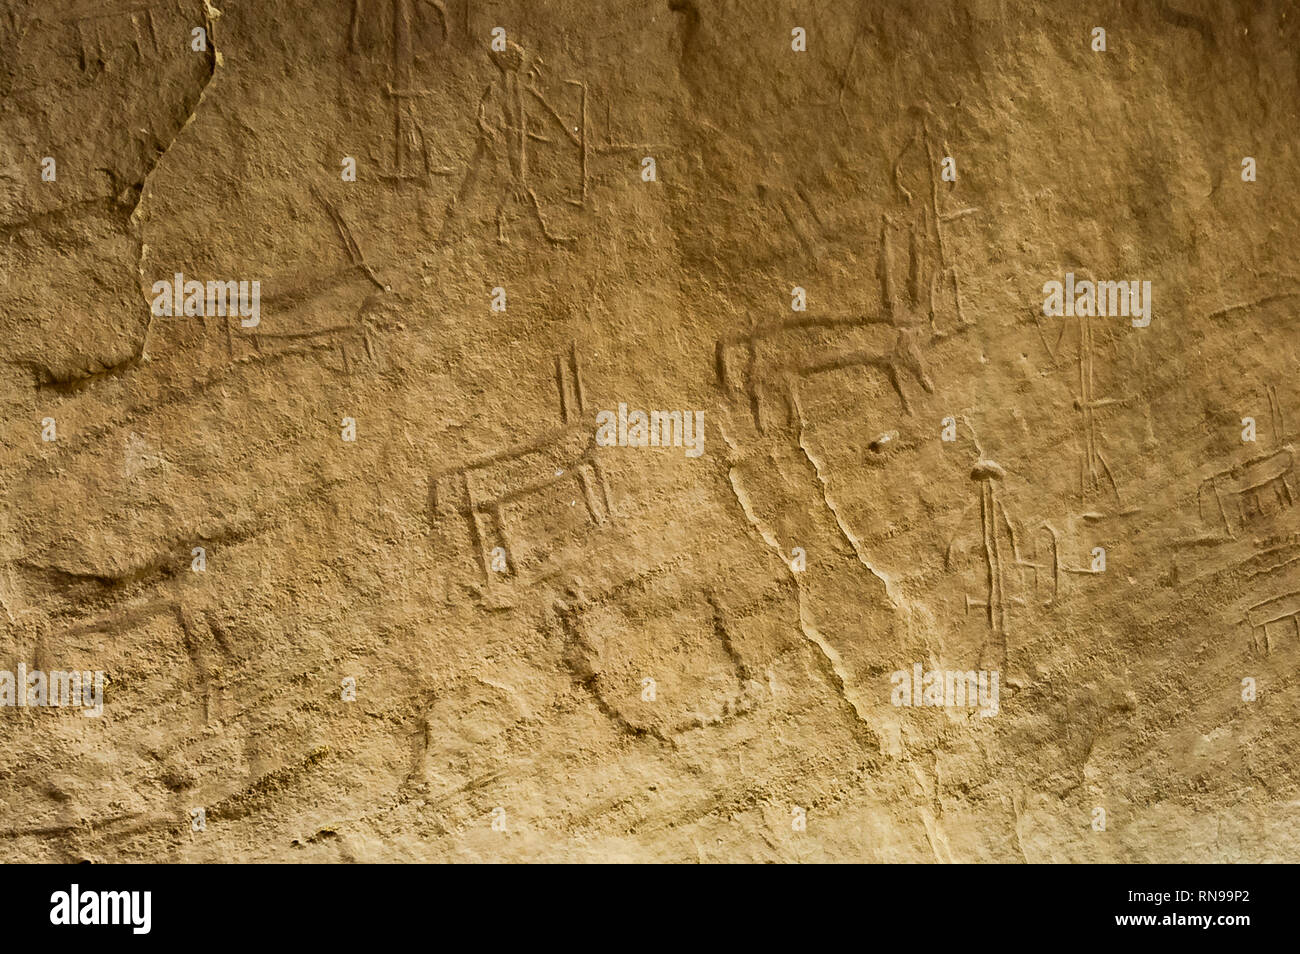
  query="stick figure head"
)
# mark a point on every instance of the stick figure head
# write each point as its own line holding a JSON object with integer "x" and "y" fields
{"x": 511, "y": 59}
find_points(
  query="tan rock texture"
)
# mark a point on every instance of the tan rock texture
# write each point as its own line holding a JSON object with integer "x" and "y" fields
{"x": 567, "y": 651}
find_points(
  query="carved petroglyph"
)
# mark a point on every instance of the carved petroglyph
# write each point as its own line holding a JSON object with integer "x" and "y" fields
{"x": 1004, "y": 560}
{"x": 482, "y": 491}
{"x": 770, "y": 361}
{"x": 349, "y": 242}
{"x": 86, "y": 43}
{"x": 1276, "y": 415}
{"x": 915, "y": 276}
{"x": 534, "y": 155}
{"x": 103, "y": 34}
{"x": 1244, "y": 511}
{"x": 776, "y": 357}
{"x": 411, "y": 159}
{"x": 513, "y": 115}
{"x": 1096, "y": 483}
{"x": 800, "y": 214}
{"x": 354, "y": 341}
{"x": 610, "y": 646}
{"x": 1271, "y": 618}
{"x": 1238, "y": 495}
{"x": 1260, "y": 302}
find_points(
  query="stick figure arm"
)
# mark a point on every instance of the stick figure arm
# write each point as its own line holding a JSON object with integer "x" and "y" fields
{"x": 554, "y": 115}
{"x": 485, "y": 127}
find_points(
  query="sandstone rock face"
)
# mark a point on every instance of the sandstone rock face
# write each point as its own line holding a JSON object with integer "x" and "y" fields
{"x": 679, "y": 431}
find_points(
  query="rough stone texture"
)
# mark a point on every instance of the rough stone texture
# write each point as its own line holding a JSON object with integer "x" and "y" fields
{"x": 523, "y": 690}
